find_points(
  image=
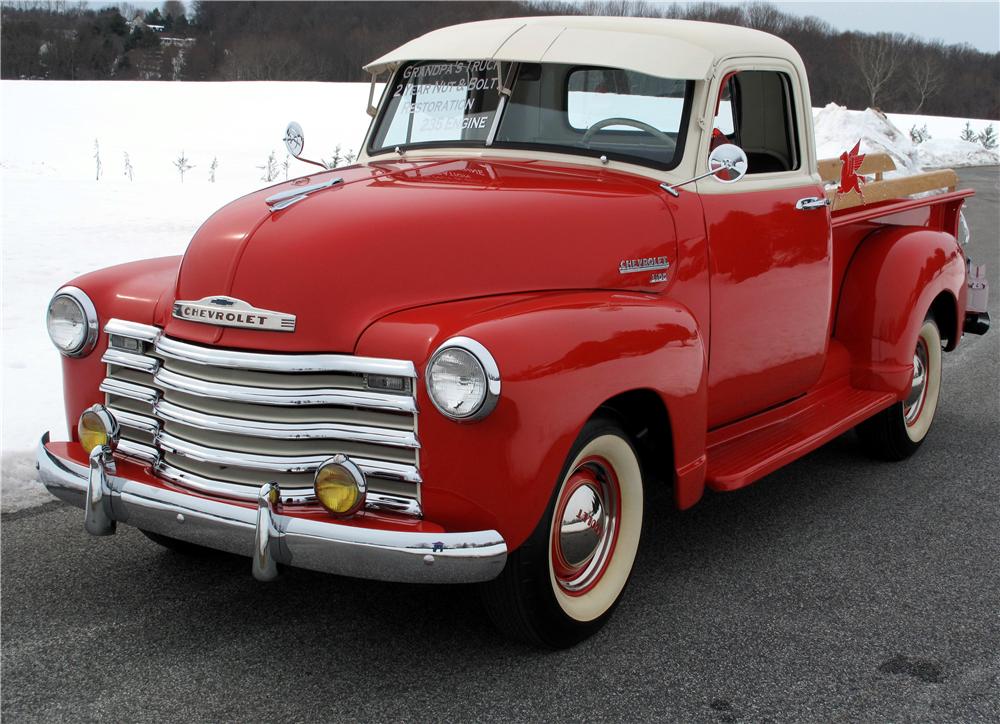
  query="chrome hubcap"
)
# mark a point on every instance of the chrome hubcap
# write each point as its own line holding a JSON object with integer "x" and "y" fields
{"x": 586, "y": 526}
{"x": 918, "y": 388}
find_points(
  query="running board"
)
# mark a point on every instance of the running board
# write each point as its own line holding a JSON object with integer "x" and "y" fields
{"x": 745, "y": 451}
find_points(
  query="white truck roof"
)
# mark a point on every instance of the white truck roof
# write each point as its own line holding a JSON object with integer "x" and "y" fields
{"x": 682, "y": 49}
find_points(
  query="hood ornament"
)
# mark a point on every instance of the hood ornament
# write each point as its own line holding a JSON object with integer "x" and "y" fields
{"x": 284, "y": 199}
{"x": 232, "y": 312}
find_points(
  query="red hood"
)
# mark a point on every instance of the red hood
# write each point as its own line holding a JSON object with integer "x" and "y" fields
{"x": 402, "y": 235}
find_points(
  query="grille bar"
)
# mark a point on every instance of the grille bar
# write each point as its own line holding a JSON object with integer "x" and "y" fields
{"x": 131, "y": 390}
{"x": 272, "y": 396}
{"x": 285, "y": 430}
{"x": 133, "y": 361}
{"x": 374, "y": 500}
{"x": 279, "y": 464}
{"x": 292, "y": 363}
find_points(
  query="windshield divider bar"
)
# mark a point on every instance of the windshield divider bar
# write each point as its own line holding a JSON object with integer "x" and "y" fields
{"x": 506, "y": 90}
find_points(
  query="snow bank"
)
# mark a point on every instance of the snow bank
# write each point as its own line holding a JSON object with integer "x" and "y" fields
{"x": 953, "y": 152}
{"x": 57, "y": 221}
{"x": 838, "y": 129}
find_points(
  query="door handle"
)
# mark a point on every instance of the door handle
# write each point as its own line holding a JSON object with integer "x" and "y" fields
{"x": 811, "y": 202}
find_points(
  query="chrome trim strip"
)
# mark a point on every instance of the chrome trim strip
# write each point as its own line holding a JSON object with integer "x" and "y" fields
{"x": 280, "y": 464}
{"x": 394, "y": 503}
{"x": 137, "y": 451}
{"x": 145, "y": 332}
{"x": 133, "y": 361}
{"x": 285, "y": 431}
{"x": 269, "y": 396}
{"x": 236, "y": 491}
{"x": 135, "y": 421}
{"x": 131, "y": 390}
{"x": 266, "y": 362}
{"x": 289, "y": 496}
{"x": 330, "y": 547}
{"x": 90, "y": 314}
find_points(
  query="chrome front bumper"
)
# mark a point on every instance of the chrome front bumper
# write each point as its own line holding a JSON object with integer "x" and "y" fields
{"x": 264, "y": 533}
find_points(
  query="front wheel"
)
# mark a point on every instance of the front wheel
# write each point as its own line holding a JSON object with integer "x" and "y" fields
{"x": 897, "y": 432}
{"x": 563, "y": 583}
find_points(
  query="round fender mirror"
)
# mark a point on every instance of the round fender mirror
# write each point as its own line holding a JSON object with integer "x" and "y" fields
{"x": 728, "y": 163}
{"x": 294, "y": 139}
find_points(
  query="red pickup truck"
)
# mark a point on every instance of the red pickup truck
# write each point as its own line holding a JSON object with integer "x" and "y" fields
{"x": 577, "y": 258}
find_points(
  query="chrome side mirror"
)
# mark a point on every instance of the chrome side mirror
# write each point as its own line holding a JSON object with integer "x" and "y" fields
{"x": 294, "y": 139}
{"x": 727, "y": 163}
{"x": 295, "y": 142}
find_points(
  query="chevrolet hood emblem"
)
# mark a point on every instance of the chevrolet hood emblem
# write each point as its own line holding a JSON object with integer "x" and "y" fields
{"x": 231, "y": 312}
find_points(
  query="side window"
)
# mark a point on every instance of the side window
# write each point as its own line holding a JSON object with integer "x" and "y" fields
{"x": 756, "y": 112}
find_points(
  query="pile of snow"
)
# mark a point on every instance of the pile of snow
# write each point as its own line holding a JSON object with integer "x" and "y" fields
{"x": 838, "y": 129}
{"x": 954, "y": 152}
{"x": 57, "y": 221}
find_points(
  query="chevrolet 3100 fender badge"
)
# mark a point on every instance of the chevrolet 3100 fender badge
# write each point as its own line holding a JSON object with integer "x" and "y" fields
{"x": 651, "y": 263}
{"x": 231, "y": 312}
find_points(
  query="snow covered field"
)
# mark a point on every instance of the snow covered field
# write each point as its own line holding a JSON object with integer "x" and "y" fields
{"x": 58, "y": 221}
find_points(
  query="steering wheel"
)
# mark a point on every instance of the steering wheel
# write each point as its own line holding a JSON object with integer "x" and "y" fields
{"x": 671, "y": 144}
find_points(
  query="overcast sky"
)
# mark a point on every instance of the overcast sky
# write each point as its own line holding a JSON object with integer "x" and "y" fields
{"x": 975, "y": 23}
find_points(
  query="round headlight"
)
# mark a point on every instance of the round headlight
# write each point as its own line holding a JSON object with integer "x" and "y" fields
{"x": 96, "y": 428}
{"x": 72, "y": 322}
{"x": 340, "y": 486}
{"x": 463, "y": 380}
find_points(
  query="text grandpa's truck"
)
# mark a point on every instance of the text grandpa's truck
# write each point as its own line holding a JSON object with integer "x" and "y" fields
{"x": 577, "y": 258}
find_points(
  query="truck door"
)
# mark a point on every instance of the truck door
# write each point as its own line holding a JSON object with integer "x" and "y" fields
{"x": 769, "y": 258}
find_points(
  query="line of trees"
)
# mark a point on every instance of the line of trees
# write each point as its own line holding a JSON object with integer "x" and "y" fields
{"x": 330, "y": 41}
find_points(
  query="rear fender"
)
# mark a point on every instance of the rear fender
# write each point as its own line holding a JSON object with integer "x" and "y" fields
{"x": 890, "y": 284}
{"x": 561, "y": 356}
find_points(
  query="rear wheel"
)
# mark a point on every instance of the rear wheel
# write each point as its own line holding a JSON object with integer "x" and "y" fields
{"x": 897, "y": 432}
{"x": 564, "y": 582}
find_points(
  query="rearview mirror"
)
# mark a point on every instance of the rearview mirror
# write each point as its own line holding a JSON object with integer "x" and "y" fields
{"x": 728, "y": 163}
{"x": 295, "y": 141}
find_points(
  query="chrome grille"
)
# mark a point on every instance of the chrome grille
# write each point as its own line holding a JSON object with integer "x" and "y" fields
{"x": 223, "y": 422}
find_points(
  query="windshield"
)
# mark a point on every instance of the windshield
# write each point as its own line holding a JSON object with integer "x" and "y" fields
{"x": 589, "y": 111}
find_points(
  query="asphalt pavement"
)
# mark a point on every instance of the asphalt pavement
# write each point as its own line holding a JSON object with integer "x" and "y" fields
{"x": 835, "y": 589}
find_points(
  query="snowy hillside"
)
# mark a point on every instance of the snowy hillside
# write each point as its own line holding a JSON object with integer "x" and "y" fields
{"x": 58, "y": 221}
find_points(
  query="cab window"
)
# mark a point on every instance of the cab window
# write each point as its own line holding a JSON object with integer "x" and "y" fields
{"x": 756, "y": 112}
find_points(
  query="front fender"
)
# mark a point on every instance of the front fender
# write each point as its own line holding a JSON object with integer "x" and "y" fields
{"x": 561, "y": 355}
{"x": 890, "y": 284}
{"x": 127, "y": 291}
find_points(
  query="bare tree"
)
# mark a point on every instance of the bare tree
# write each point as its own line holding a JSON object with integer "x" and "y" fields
{"x": 97, "y": 160}
{"x": 269, "y": 169}
{"x": 339, "y": 156}
{"x": 183, "y": 165}
{"x": 926, "y": 78}
{"x": 173, "y": 9}
{"x": 762, "y": 16}
{"x": 877, "y": 58}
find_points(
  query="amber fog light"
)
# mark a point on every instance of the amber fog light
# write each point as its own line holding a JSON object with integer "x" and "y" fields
{"x": 340, "y": 486}
{"x": 97, "y": 427}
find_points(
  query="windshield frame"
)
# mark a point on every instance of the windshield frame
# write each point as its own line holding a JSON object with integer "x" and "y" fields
{"x": 593, "y": 154}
